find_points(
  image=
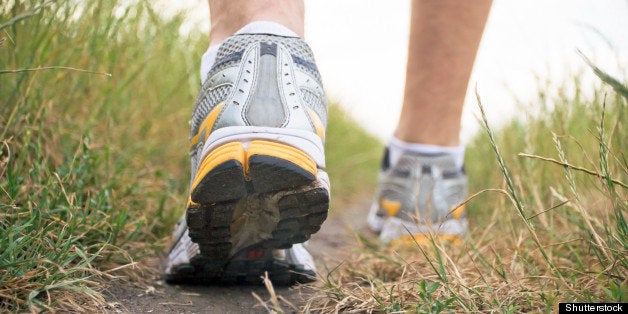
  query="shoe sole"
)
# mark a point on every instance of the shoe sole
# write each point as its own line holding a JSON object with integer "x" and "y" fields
{"x": 259, "y": 196}
{"x": 396, "y": 231}
{"x": 425, "y": 240}
{"x": 249, "y": 268}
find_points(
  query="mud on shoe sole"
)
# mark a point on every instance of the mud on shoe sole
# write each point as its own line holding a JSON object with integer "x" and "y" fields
{"x": 266, "y": 196}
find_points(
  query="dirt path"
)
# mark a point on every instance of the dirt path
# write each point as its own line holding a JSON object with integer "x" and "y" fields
{"x": 327, "y": 247}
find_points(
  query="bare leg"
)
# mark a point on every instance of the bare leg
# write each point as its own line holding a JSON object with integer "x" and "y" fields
{"x": 444, "y": 39}
{"x": 228, "y": 16}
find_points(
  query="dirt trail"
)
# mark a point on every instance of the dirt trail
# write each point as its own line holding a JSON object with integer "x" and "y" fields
{"x": 327, "y": 246}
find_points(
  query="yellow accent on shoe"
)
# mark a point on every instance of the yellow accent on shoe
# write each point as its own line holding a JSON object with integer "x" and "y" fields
{"x": 206, "y": 127}
{"x": 229, "y": 151}
{"x": 318, "y": 124}
{"x": 391, "y": 207}
{"x": 191, "y": 203}
{"x": 285, "y": 152}
{"x": 457, "y": 213}
{"x": 236, "y": 151}
{"x": 425, "y": 239}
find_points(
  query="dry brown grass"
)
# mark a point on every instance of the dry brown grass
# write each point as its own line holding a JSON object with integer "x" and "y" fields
{"x": 553, "y": 229}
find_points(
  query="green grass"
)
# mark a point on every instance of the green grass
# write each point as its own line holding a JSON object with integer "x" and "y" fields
{"x": 92, "y": 166}
{"x": 352, "y": 157}
{"x": 95, "y": 100}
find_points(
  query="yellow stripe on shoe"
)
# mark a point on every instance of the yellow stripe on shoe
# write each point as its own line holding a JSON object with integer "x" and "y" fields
{"x": 226, "y": 152}
{"x": 391, "y": 207}
{"x": 285, "y": 152}
{"x": 426, "y": 239}
{"x": 191, "y": 203}
{"x": 206, "y": 127}
{"x": 236, "y": 151}
{"x": 457, "y": 212}
{"x": 318, "y": 124}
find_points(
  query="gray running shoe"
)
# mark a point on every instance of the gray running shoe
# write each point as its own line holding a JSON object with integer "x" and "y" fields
{"x": 419, "y": 196}
{"x": 258, "y": 181}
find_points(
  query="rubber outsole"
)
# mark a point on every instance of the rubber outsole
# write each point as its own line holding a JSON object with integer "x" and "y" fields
{"x": 244, "y": 203}
{"x": 242, "y": 270}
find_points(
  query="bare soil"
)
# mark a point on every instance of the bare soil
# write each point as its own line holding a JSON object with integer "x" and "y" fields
{"x": 329, "y": 247}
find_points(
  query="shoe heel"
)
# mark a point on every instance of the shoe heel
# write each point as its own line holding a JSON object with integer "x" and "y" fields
{"x": 274, "y": 166}
{"x": 221, "y": 175}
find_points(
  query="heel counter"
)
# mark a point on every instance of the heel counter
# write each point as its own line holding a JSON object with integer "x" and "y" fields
{"x": 272, "y": 90}
{"x": 266, "y": 106}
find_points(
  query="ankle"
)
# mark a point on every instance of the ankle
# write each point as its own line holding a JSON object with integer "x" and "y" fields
{"x": 398, "y": 147}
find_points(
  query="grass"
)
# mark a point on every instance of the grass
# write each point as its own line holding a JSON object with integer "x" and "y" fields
{"x": 547, "y": 216}
{"x": 94, "y": 104}
{"x": 95, "y": 100}
{"x": 92, "y": 165}
{"x": 352, "y": 157}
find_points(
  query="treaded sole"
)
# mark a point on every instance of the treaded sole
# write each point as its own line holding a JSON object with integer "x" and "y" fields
{"x": 244, "y": 269}
{"x": 250, "y": 203}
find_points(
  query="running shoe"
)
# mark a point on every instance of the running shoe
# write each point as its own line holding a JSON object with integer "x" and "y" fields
{"x": 419, "y": 199}
{"x": 258, "y": 182}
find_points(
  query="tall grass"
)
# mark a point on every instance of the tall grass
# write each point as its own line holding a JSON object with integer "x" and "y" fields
{"x": 352, "y": 157}
{"x": 547, "y": 217}
{"x": 94, "y": 100}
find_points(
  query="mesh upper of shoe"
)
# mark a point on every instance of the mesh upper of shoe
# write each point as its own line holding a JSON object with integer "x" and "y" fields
{"x": 230, "y": 54}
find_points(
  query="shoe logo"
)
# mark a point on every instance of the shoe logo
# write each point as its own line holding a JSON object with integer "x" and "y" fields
{"x": 206, "y": 127}
{"x": 255, "y": 254}
{"x": 391, "y": 207}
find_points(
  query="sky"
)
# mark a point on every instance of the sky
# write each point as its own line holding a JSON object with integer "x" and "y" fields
{"x": 361, "y": 50}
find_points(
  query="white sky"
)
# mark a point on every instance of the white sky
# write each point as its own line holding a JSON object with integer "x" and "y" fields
{"x": 360, "y": 48}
